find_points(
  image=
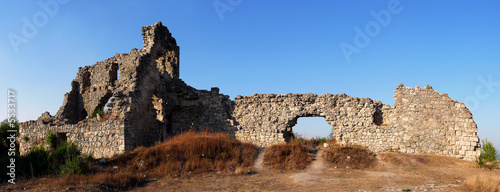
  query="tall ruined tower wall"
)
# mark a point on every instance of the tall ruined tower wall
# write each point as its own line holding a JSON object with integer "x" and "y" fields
{"x": 432, "y": 122}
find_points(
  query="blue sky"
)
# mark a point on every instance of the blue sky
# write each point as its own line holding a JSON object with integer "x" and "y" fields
{"x": 246, "y": 47}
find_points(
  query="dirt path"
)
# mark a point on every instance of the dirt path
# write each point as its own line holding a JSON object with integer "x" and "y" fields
{"x": 259, "y": 162}
{"x": 311, "y": 174}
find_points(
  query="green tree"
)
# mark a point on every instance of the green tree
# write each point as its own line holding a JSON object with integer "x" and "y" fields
{"x": 488, "y": 155}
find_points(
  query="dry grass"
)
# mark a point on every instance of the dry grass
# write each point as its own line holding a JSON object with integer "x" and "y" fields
{"x": 412, "y": 160}
{"x": 353, "y": 156}
{"x": 186, "y": 153}
{"x": 194, "y": 153}
{"x": 118, "y": 181}
{"x": 107, "y": 181}
{"x": 312, "y": 142}
{"x": 482, "y": 183}
{"x": 291, "y": 156}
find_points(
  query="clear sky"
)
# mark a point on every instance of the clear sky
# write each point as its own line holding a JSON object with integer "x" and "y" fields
{"x": 361, "y": 48}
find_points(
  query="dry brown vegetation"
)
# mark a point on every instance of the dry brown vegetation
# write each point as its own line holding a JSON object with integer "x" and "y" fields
{"x": 107, "y": 181}
{"x": 188, "y": 153}
{"x": 194, "y": 153}
{"x": 405, "y": 159}
{"x": 290, "y": 156}
{"x": 482, "y": 183}
{"x": 351, "y": 156}
{"x": 312, "y": 142}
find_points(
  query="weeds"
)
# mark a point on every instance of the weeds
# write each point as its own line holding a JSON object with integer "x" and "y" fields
{"x": 51, "y": 139}
{"x": 196, "y": 153}
{"x": 74, "y": 166}
{"x": 36, "y": 162}
{"x": 99, "y": 111}
{"x": 186, "y": 153}
{"x": 291, "y": 156}
{"x": 118, "y": 181}
{"x": 313, "y": 142}
{"x": 354, "y": 156}
{"x": 483, "y": 183}
{"x": 65, "y": 159}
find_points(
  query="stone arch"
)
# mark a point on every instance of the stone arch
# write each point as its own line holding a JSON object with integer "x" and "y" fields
{"x": 104, "y": 100}
{"x": 293, "y": 122}
{"x": 268, "y": 119}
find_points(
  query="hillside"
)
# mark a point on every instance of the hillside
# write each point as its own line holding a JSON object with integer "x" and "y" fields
{"x": 215, "y": 162}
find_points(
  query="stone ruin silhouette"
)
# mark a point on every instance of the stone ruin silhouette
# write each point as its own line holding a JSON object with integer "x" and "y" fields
{"x": 146, "y": 101}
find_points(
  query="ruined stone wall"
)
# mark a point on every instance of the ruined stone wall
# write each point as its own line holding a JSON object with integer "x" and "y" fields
{"x": 102, "y": 139}
{"x": 268, "y": 119}
{"x": 148, "y": 102}
{"x": 427, "y": 121}
{"x": 200, "y": 110}
{"x": 421, "y": 121}
{"x": 135, "y": 88}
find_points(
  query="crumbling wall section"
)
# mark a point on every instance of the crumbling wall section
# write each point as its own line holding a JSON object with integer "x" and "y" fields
{"x": 202, "y": 110}
{"x": 129, "y": 88}
{"x": 428, "y": 121}
{"x": 101, "y": 138}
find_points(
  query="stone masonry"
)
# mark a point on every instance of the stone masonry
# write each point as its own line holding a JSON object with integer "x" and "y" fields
{"x": 421, "y": 121}
{"x": 137, "y": 98}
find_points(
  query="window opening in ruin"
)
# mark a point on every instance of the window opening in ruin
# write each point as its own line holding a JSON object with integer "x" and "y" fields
{"x": 86, "y": 82}
{"x": 114, "y": 73}
{"x": 83, "y": 114}
{"x": 61, "y": 137}
{"x": 107, "y": 106}
{"x": 312, "y": 127}
{"x": 378, "y": 118}
{"x": 102, "y": 104}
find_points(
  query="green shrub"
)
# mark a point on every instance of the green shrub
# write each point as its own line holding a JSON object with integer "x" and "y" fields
{"x": 4, "y": 145}
{"x": 88, "y": 157}
{"x": 488, "y": 155}
{"x": 99, "y": 111}
{"x": 51, "y": 139}
{"x": 36, "y": 162}
{"x": 69, "y": 155}
{"x": 74, "y": 165}
{"x": 65, "y": 150}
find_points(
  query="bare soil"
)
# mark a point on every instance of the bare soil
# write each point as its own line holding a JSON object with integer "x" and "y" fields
{"x": 391, "y": 172}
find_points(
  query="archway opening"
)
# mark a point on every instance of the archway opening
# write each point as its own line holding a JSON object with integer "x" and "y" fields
{"x": 312, "y": 128}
